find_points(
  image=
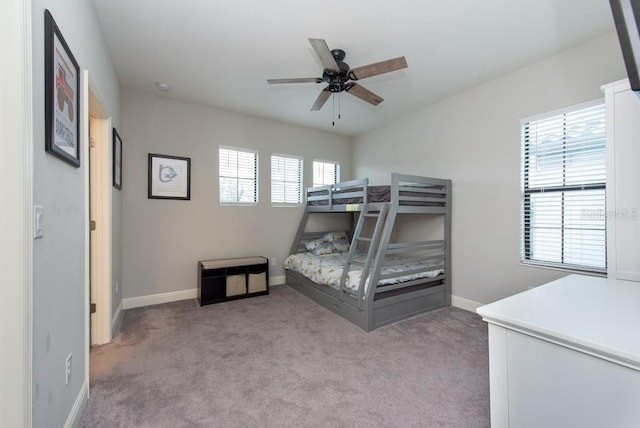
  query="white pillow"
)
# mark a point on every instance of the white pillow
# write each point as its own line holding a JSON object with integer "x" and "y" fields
{"x": 312, "y": 245}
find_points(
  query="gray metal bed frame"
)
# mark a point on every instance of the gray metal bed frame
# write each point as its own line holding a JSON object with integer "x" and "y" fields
{"x": 381, "y": 305}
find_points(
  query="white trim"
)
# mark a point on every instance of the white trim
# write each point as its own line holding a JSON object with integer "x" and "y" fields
{"x": 237, "y": 149}
{"x": 84, "y": 143}
{"x": 618, "y": 86}
{"x": 175, "y": 296}
{"x": 115, "y": 320}
{"x": 568, "y": 109}
{"x": 466, "y": 304}
{"x": 610, "y": 135}
{"x": 277, "y": 280}
{"x": 327, "y": 161}
{"x": 237, "y": 204}
{"x": 78, "y": 405}
{"x": 566, "y": 268}
{"x": 282, "y": 155}
{"x": 16, "y": 224}
{"x": 156, "y": 299}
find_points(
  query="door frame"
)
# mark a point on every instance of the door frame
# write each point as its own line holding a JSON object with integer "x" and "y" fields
{"x": 99, "y": 208}
{"x": 16, "y": 224}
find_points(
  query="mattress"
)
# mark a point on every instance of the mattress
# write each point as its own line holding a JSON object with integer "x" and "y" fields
{"x": 327, "y": 269}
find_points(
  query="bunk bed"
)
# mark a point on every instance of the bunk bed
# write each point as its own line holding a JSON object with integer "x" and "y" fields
{"x": 371, "y": 274}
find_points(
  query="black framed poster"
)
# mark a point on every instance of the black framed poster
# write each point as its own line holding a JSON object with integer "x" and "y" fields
{"x": 169, "y": 177}
{"x": 117, "y": 160}
{"x": 62, "y": 95}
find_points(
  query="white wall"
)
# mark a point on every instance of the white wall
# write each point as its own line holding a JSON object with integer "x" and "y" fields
{"x": 164, "y": 239}
{"x": 473, "y": 138}
{"x": 59, "y": 299}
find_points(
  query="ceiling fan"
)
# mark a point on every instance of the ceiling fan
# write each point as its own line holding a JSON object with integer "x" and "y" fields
{"x": 340, "y": 77}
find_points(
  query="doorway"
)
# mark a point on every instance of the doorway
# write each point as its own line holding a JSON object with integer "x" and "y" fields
{"x": 99, "y": 125}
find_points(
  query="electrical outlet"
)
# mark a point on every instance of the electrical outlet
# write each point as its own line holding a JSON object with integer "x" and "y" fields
{"x": 274, "y": 261}
{"x": 67, "y": 372}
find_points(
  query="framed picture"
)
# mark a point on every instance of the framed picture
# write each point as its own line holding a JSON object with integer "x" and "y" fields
{"x": 169, "y": 177}
{"x": 62, "y": 95}
{"x": 117, "y": 160}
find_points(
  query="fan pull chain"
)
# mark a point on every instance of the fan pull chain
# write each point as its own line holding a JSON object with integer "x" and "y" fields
{"x": 333, "y": 109}
{"x": 333, "y": 106}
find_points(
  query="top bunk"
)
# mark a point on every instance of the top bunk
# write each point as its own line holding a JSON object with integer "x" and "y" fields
{"x": 407, "y": 193}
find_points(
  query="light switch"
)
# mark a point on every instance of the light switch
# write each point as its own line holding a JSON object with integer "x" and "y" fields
{"x": 38, "y": 221}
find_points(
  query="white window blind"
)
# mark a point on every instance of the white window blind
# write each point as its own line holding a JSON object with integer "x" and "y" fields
{"x": 563, "y": 190}
{"x": 238, "y": 175}
{"x": 286, "y": 180}
{"x": 325, "y": 173}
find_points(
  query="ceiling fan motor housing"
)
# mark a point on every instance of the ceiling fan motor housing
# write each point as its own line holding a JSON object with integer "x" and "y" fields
{"x": 337, "y": 78}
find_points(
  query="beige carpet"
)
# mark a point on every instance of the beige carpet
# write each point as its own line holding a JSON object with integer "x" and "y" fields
{"x": 283, "y": 361}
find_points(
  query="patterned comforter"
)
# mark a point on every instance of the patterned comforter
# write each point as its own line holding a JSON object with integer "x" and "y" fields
{"x": 327, "y": 269}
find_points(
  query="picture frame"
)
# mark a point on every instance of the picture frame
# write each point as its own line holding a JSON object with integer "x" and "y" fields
{"x": 117, "y": 160}
{"x": 169, "y": 177}
{"x": 62, "y": 95}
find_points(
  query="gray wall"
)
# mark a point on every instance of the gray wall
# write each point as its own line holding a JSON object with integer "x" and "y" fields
{"x": 164, "y": 239}
{"x": 59, "y": 299}
{"x": 473, "y": 138}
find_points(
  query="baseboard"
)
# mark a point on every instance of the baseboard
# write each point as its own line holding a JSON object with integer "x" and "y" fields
{"x": 115, "y": 321}
{"x": 466, "y": 304}
{"x": 277, "y": 280}
{"x": 156, "y": 299}
{"x": 174, "y": 296}
{"x": 78, "y": 406}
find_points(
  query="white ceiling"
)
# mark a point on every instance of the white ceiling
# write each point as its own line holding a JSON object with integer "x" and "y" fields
{"x": 220, "y": 53}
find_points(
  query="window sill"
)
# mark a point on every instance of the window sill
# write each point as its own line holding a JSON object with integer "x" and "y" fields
{"x": 238, "y": 204}
{"x": 532, "y": 264}
{"x": 280, "y": 205}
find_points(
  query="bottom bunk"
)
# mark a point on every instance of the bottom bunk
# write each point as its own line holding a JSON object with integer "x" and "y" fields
{"x": 384, "y": 310}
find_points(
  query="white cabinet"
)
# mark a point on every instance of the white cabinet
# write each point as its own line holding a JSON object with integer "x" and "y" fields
{"x": 623, "y": 181}
{"x": 566, "y": 354}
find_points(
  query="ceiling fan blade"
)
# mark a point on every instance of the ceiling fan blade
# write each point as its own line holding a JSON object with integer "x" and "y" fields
{"x": 296, "y": 80}
{"x": 323, "y": 52}
{"x": 322, "y": 98}
{"x": 378, "y": 68}
{"x": 363, "y": 93}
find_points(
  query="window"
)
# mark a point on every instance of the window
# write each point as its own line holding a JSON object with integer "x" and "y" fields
{"x": 238, "y": 173}
{"x": 563, "y": 189}
{"x": 286, "y": 180}
{"x": 325, "y": 173}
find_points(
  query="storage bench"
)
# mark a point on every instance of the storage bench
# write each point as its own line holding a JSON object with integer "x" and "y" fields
{"x": 230, "y": 279}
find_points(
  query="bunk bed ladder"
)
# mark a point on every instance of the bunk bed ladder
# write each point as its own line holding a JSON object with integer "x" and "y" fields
{"x": 369, "y": 211}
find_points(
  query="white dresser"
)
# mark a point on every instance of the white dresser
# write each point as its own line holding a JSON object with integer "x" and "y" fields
{"x": 623, "y": 181}
{"x": 566, "y": 354}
